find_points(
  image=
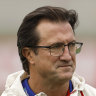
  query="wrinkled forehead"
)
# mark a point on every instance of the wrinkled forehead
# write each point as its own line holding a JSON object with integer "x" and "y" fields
{"x": 52, "y": 30}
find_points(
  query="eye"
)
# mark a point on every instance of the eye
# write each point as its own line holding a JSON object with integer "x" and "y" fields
{"x": 57, "y": 45}
{"x": 72, "y": 44}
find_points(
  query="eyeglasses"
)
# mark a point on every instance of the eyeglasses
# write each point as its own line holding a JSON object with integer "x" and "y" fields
{"x": 58, "y": 48}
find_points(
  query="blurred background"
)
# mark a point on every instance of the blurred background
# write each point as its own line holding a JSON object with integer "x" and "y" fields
{"x": 12, "y": 13}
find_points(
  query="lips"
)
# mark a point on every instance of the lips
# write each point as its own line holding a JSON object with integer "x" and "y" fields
{"x": 69, "y": 64}
{"x": 65, "y": 65}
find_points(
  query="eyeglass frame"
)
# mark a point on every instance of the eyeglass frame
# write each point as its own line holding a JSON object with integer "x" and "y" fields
{"x": 50, "y": 47}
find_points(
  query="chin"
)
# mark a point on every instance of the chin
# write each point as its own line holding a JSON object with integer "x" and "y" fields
{"x": 66, "y": 73}
{"x": 66, "y": 76}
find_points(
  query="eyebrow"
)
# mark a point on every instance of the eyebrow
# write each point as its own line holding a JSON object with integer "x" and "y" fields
{"x": 73, "y": 41}
{"x": 61, "y": 42}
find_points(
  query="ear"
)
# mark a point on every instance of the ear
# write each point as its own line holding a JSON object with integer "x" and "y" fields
{"x": 28, "y": 54}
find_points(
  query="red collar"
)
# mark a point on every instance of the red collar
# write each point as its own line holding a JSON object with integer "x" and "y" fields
{"x": 68, "y": 93}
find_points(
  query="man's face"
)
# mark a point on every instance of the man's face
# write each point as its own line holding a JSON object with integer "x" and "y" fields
{"x": 51, "y": 67}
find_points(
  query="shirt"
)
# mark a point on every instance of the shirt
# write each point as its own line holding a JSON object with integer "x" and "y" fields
{"x": 29, "y": 91}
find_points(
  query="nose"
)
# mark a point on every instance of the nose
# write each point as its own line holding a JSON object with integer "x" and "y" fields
{"x": 66, "y": 54}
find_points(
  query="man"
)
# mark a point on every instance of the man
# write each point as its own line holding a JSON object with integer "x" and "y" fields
{"x": 48, "y": 48}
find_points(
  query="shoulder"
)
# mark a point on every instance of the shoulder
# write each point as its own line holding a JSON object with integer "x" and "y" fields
{"x": 13, "y": 84}
{"x": 89, "y": 90}
{"x": 80, "y": 84}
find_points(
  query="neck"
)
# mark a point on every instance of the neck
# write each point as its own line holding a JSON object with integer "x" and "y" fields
{"x": 51, "y": 89}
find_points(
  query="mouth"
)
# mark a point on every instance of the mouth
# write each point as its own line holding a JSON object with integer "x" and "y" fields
{"x": 64, "y": 66}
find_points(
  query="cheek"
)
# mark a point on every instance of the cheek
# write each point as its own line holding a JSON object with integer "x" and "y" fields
{"x": 45, "y": 65}
{"x": 46, "y": 61}
{"x": 74, "y": 58}
{"x": 45, "y": 55}
{"x": 74, "y": 61}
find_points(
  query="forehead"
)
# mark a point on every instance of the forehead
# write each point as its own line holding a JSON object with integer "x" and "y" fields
{"x": 51, "y": 32}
